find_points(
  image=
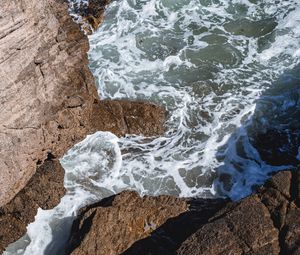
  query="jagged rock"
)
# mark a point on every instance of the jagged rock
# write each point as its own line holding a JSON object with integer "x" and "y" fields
{"x": 168, "y": 237}
{"x": 267, "y": 222}
{"x": 127, "y": 117}
{"x": 92, "y": 13}
{"x": 49, "y": 102}
{"x": 43, "y": 70}
{"x": 48, "y": 96}
{"x": 15, "y": 216}
{"x": 114, "y": 224}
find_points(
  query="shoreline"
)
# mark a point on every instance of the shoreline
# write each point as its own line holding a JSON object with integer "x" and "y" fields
{"x": 225, "y": 224}
{"x": 76, "y": 111}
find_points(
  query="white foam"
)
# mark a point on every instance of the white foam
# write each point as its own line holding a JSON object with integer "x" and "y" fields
{"x": 179, "y": 55}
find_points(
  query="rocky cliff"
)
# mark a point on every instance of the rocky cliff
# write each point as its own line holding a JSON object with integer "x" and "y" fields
{"x": 47, "y": 91}
{"x": 48, "y": 103}
{"x": 48, "y": 96}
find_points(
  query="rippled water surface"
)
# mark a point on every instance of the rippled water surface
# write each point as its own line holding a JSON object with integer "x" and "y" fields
{"x": 226, "y": 72}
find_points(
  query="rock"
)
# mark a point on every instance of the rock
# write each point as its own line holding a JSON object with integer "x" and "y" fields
{"x": 114, "y": 224}
{"x": 43, "y": 67}
{"x": 168, "y": 237}
{"x": 49, "y": 102}
{"x": 246, "y": 228}
{"x": 277, "y": 147}
{"x": 48, "y": 95}
{"x": 15, "y": 216}
{"x": 92, "y": 14}
{"x": 267, "y": 222}
{"x": 126, "y": 117}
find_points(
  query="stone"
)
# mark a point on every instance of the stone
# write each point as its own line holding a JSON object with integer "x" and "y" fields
{"x": 49, "y": 102}
{"x": 92, "y": 14}
{"x": 48, "y": 95}
{"x": 15, "y": 216}
{"x": 43, "y": 66}
{"x": 267, "y": 222}
{"x": 114, "y": 224}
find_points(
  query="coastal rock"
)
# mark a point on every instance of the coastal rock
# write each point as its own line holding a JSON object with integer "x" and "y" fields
{"x": 44, "y": 74}
{"x": 278, "y": 147}
{"x": 48, "y": 95}
{"x": 15, "y": 216}
{"x": 114, "y": 224}
{"x": 267, "y": 222}
{"x": 48, "y": 103}
{"x": 128, "y": 117}
{"x": 92, "y": 14}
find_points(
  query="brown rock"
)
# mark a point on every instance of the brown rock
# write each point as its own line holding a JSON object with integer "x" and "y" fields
{"x": 15, "y": 216}
{"x": 49, "y": 102}
{"x": 48, "y": 96}
{"x": 245, "y": 229}
{"x": 92, "y": 14}
{"x": 267, "y": 222}
{"x": 113, "y": 225}
{"x": 43, "y": 68}
{"x": 125, "y": 117}
{"x": 168, "y": 237}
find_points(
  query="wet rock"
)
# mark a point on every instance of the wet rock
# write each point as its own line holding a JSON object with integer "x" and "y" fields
{"x": 48, "y": 95}
{"x": 48, "y": 103}
{"x": 114, "y": 224}
{"x": 127, "y": 117}
{"x": 278, "y": 147}
{"x": 92, "y": 14}
{"x": 15, "y": 216}
{"x": 266, "y": 222}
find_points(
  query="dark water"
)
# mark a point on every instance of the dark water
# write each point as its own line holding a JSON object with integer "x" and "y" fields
{"x": 228, "y": 74}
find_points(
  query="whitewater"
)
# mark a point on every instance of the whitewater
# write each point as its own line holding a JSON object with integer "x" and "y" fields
{"x": 223, "y": 70}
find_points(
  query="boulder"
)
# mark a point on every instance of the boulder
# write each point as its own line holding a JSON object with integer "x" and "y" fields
{"x": 114, "y": 224}
{"x": 267, "y": 222}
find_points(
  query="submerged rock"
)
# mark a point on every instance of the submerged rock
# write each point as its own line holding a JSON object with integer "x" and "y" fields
{"x": 267, "y": 222}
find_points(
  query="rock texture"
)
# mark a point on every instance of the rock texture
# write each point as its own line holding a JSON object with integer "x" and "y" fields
{"x": 48, "y": 102}
{"x": 92, "y": 13}
{"x": 47, "y": 91}
{"x": 48, "y": 96}
{"x": 15, "y": 216}
{"x": 114, "y": 224}
{"x": 46, "y": 186}
{"x": 267, "y": 222}
{"x": 126, "y": 117}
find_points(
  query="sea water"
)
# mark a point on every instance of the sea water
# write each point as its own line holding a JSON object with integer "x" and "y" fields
{"x": 223, "y": 70}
